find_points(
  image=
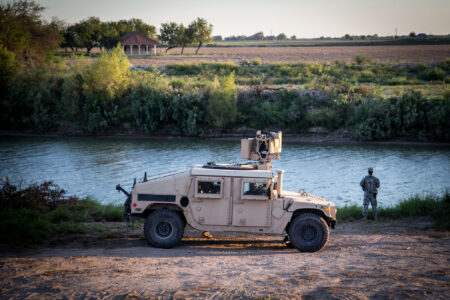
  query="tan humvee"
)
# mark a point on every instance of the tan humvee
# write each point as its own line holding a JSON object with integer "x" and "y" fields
{"x": 231, "y": 197}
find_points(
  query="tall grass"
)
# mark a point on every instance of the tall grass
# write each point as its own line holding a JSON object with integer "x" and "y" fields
{"x": 436, "y": 207}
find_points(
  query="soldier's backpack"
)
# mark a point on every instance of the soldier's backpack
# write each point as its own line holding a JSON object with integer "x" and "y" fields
{"x": 370, "y": 184}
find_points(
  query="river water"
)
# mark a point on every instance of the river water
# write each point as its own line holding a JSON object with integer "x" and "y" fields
{"x": 91, "y": 166}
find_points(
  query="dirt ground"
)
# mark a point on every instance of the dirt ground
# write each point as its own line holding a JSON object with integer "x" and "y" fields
{"x": 385, "y": 54}
{"x": 393, "y": 260}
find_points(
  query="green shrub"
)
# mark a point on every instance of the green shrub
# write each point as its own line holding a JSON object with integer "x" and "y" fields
{"x": 37, "y": 212}
{"x": 64, "y": 228}
{"x": 325, "y": 117}
{"x": 108, "y": 74}
{"x": 374, "y": 119}
{"x": 221, "y": 107}
{"x": 100, "y": 113}
{"x": 24, "y": 226}
{"x": 30, "y": 100}
{"x": 187, "y": 114}
{"x": 178, "y": 83}
{"x": 433, "y": 74}
{"x": 362, "y": 59}
{"x": 256, "y": 61}
{"x": 8, "y": 68}
{"x": 349, "y": 213}
{"x": 149, "y": 107}
{"x": 113, "y": 213}
{"x": 400, "y": 80}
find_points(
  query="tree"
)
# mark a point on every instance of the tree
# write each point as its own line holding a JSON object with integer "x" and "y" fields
{"x": 88, "y": 33}
{"x": 110, "y": 35}
{"x": 170, "y": 34}
{"x": 282, "y": 36}
{"x": 108, "y": 75}
{"x": 217, "y": 38}
{"x": 7, "y": 68}
{"x": 257, "y": 36}
{"x": 293, "y": 37}
{"x": 24, "y": 33}
{"x": 71, "y": 38}
{"x": 139, "y": 26}
{"x": 221, "y": 109}
{"x": 112, "y": 31}
{"x": 412, "y": 34}
{"x": 186, "y": 37}
{"x": 200, "y": 32}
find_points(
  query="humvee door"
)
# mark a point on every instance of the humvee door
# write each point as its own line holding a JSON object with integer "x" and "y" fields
{"x": 211, "y": 203}
{"x": 252, "y": 203}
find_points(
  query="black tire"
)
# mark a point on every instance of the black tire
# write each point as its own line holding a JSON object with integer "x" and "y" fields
{"x": 308, "y": 232}
{"x": 163, "y": 228}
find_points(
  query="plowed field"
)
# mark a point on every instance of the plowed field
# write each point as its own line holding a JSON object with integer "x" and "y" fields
{"x": 385, "y": 54}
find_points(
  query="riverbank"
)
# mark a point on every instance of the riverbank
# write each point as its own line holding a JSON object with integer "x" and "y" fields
{"x": 43, "y": 214}
{"x": 395, "y": 259}
{"x": 339, "y": 137}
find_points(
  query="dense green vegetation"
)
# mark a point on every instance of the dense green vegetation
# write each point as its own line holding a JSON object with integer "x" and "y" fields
{"x": 41, "y": 212}
{"x": 436, "y": 207}
{"x": 25, "y": 34}
{"x": 371, "y": 100}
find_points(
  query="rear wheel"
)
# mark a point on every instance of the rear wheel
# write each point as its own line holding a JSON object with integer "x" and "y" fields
{"x": 308, "y": 232}
{"x": 163, "y": 228}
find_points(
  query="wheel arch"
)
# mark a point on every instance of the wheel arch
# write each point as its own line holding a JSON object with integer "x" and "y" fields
{"x": 310, "y": 210}
{"x": 152, "y": 207}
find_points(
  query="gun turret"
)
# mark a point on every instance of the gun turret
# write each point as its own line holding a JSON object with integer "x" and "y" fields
{"x": 262, "y": 148}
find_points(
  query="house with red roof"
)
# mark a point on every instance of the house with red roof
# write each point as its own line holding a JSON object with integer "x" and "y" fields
{"x": 138, "y": 44}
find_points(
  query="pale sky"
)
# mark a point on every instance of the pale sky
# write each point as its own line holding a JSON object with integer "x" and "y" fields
{"x": 305, "y": 19}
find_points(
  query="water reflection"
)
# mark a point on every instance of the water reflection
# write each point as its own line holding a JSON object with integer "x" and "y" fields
{"x": 93, "y": 166}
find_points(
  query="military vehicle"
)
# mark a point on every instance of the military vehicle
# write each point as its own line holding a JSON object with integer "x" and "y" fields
{"x": 245, "y": 197}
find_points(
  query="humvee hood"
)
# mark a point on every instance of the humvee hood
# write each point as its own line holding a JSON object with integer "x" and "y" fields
{"x": 305, "y": 197}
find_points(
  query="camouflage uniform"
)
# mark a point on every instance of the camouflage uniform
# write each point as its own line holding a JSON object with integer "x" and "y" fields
{"x": 370, "y": 185}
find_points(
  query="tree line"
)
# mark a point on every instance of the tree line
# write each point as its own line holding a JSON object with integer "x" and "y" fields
{"x": 29, "y": 37}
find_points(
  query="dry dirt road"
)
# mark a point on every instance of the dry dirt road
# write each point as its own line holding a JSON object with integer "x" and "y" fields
{"x": 384, "y": 54}
{"x": 393, "y": 260}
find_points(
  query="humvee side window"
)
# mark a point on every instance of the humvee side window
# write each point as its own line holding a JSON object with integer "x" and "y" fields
{"x": 208, "y": 187}
{"x": 255, "y": 188}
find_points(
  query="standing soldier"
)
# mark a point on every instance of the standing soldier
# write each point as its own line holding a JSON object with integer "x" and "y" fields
{"x": 370, "y": 185}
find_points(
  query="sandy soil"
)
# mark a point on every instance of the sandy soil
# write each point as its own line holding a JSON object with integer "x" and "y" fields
{"x": 381, "y": 260}
{"x": 386, "y": 54}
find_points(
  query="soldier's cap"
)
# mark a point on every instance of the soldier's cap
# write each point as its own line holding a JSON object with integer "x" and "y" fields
{"x": 370, "y": 169}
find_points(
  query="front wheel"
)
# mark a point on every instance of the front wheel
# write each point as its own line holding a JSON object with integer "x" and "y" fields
{"x": 163, "y": 228}
{"x": 308, "y": 232}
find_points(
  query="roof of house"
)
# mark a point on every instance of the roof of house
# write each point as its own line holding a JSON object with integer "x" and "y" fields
{"x": 135, "y": 38}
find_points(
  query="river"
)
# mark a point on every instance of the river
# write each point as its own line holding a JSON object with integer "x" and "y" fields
{"x": 88, "y": 166}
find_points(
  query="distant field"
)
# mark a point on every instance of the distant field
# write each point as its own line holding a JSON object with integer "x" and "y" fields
{"x": 299, "y": 43}
{"x": 385, "y": 54}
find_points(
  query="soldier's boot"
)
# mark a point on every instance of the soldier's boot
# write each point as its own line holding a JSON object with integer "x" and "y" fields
{"x": 207, "y": 235}
{"x": 374, "y": 218}
{"x": 287, "y": 242}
